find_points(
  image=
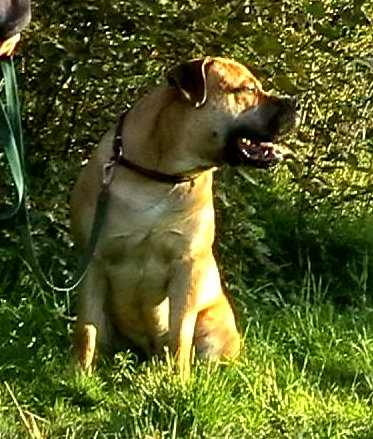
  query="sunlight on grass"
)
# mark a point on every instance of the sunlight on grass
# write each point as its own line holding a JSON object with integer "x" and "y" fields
{"x": 305, "y": 372}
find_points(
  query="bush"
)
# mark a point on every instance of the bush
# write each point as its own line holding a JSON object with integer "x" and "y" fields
{"x": 83, "y": 63}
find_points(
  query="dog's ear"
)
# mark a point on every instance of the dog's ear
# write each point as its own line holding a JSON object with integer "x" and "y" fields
{"x": 190, "y": 79}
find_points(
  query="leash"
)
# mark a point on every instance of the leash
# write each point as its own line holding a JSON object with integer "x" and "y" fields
{"x": 11, "y": 135}
{"x": 12, "y": 140}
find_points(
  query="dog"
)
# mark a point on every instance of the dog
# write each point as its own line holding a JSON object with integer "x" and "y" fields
{"x": 153, "y": 280}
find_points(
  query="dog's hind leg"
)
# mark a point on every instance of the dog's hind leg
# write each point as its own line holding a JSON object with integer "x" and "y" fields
{"x": 216, "y": 336}
{"x": 93, "y": 328}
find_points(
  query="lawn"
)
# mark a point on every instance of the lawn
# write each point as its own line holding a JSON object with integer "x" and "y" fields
{"x": 305, "y": 372}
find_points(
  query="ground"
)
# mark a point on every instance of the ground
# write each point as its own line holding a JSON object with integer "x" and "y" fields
{"x": 305, "y": 372}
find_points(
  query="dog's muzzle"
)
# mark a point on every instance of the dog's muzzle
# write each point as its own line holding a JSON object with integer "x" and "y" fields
{"x": 252, "y": 140}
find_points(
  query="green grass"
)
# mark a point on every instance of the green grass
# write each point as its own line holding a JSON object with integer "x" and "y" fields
{"x": 306, "y": 371}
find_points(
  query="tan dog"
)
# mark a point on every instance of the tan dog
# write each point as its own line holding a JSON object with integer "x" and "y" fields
{"x": 153, "y": 280}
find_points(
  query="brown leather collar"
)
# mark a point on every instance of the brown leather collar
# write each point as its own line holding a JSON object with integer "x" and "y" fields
{"x": 118, "y": 157}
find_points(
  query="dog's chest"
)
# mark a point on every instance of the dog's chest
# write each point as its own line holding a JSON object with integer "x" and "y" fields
{"x": 142, "y": 243}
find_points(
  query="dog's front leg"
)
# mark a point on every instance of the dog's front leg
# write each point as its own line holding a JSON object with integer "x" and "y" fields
{"x": 182, "y": 324}
{"x": 92, "y": 327}
{"x": 183, "y": 312}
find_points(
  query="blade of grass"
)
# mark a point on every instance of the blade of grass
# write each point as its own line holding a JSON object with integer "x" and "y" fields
{"x": 31, "y": 427}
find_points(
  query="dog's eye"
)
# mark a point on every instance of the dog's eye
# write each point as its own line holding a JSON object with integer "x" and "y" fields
{"x": 244, "y": 88}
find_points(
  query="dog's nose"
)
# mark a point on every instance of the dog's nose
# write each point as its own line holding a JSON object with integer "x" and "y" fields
{"x": 284, "y": 117}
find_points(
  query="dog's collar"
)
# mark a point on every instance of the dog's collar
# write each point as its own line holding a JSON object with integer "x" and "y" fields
{"x": 118, "y": 158}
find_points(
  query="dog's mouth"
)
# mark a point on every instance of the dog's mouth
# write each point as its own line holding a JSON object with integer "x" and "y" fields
{"x": 261, "y": 154}
{"x": 257, "y": 152}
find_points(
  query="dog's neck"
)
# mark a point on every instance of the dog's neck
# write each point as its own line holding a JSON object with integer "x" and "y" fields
{"x": 119, "y": 157}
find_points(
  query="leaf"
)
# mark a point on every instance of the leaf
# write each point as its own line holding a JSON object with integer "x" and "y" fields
{"x": 248, "y": 177}
{"x": 327, "y": 30}
{"x": 352, "y": 160}
{"x": 268, "y": 45}
{"x": 50, "y": 51}
{"x": 295, "y": 168}
{"x": 285, "y": 84}
{"x": 316, "y": 9}
{"x": 354, "y": 17}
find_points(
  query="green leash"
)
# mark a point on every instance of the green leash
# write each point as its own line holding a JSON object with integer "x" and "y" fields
{"x": 11, "y": 136}
{"x": 12, "y": 140}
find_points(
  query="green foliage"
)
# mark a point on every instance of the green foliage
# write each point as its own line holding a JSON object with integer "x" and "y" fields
{"x": 85, "y": 62}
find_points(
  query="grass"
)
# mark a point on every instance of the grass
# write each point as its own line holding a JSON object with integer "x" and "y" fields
{"x": 306, "y": 371}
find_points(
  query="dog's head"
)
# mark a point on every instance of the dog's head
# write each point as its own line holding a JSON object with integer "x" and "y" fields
{"x": 229, "y": 110}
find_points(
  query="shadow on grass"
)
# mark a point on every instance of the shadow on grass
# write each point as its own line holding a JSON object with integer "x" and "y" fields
{"x": 32, "y": 334}
{"x": 336, "y": 372}
{"x": 347, "y": 379}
